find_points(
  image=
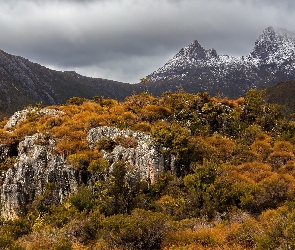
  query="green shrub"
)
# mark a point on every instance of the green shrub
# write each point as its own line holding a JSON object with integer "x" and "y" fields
{"x": 106, "y": 144}
{"x": 100, "y": 166}
{"x": 6, "y": 241}
{"x": 17, "y": 227}
{"x": 140, "y": 230}
{"x": 84, "y": 200}
{"x": 278, "y": 229}
{"x": 79, "y": 160}
{"x": 7, "y": 163}
{"x": 76, "y": 101}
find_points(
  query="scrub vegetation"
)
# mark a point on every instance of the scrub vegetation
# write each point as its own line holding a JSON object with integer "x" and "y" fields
{"x": 233, "y": 187}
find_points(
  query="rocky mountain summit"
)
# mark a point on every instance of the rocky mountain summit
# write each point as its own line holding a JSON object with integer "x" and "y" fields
{"x": 197, "y": 69}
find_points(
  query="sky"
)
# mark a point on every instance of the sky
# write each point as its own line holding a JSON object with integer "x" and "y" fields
{"x": 125, "y": 40}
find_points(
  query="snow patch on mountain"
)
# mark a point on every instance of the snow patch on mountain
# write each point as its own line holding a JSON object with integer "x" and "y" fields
{"x": 274, "y": 50}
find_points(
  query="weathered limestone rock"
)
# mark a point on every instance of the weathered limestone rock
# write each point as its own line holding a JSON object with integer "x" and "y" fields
{"x": 22, "y": 115}
{"x": 145, "y": 157}
{"x": 16, "y": 118}
{"x": 37, "y": 165}
{"x": 4, "y": 152}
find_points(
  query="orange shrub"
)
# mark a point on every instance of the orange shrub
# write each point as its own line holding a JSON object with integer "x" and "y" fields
{"x": 255, "y": 171}
{"x": 263, "y": 137}
{"x": 108, "y": 102}
{"x": 91, "y": 106}
{"x": 283, "y": 146}
{"x": 288, "y": 168}
{"x": 142, "y": 126}
{"x": 3, "y": 123}
{"x": 24, "y": 129}
{"x": 67, "y": 146}
{"x": 243, "y": 154}
{"x": 277, "y": 189}
{"x": 154, "y": 112}
{"x": 231, "y": 103}
{"x": 279, "y": 158}
{"x": 224, "y": 148}
{"x": 262, "y": 148}
{"x": 202, "y": 237}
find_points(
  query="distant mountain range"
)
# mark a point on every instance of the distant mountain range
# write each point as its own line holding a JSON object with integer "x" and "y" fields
{"x": 193, "y": 68}
{"x": 196, "y": 69}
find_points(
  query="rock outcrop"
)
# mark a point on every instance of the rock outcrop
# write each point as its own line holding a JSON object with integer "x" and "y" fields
{"x": 35, "y": 167}
{"x": 143, "y": 154}
{"x": 22, "y": 115}
{"x": 38, "y": 170}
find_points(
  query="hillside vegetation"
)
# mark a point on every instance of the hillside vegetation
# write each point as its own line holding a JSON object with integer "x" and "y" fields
{"x": 232, "y": 187}
{"x": 283, "y": 94}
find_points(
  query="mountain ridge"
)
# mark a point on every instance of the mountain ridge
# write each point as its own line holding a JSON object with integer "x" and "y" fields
{"x": 197, "y": 69}
{"x": 24, "y": 82}
{"x": 193, "y": 69}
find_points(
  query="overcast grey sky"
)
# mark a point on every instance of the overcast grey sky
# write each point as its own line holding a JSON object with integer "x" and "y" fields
{"x": 125, "y": 40}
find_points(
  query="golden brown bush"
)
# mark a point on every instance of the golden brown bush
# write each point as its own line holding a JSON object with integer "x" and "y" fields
{"x": 244, "y": 234}
{"x": 142, "y": 126}
{"x": 262, "y": 148}
{"x": 199, "y": 238}
{"x": 277, "y": 188}
{"x": 280, "y": 158}
{"x": 283, "y": 146}
{"x": 288, "y": 168}
{"x": 46, "y": 239}
{"x": 255, "y": 171}
{"x": 224, "y": 148}
{"x": 227, "y": 156}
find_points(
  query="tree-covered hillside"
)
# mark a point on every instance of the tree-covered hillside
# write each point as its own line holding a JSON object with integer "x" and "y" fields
{"x": 283, "y": 94}
{"x": 232, "y": 184}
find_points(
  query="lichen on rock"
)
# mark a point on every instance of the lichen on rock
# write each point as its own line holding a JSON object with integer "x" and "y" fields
{"x": 38, "y": 164}
{"x": 22, "y": 115}
{"x": 145, "y": 158}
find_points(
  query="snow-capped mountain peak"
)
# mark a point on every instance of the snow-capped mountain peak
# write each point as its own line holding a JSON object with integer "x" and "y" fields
{"x": 273, "y": 55}
{"x": 274, "y": 46}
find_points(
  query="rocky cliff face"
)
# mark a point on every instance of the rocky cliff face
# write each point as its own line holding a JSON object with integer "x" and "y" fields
{"x": 39, "y": 174}
{"x": 36, "y": 165}
{"x": 144, "y": 155}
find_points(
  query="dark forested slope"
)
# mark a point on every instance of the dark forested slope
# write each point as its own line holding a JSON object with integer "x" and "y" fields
{"x": 283, "y": 94}
{"x": 23, "y": 82}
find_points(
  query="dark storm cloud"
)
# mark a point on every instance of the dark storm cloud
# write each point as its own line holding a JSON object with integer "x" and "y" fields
{"x": 127, "y": 39}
